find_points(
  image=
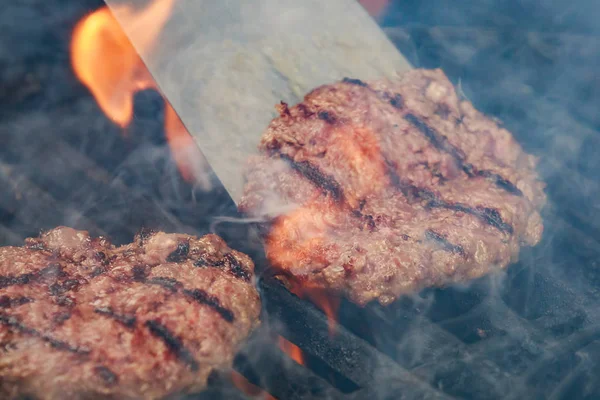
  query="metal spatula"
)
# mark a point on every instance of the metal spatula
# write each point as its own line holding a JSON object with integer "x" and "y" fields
{"x": 224, "y": 64}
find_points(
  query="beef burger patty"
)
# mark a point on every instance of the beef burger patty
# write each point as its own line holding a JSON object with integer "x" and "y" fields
{"x": 81, "y": 318}
{"x": 378, "y": 189}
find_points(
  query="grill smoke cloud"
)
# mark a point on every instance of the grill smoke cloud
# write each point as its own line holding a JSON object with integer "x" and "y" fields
{"x": 533, "y": 64}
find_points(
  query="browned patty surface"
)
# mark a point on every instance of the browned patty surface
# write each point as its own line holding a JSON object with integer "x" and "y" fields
{"x": 377, "y": 189}
{"x": 81, "y": 318}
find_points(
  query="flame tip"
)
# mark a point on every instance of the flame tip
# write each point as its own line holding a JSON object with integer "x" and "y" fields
{"x": 106, "y": 62}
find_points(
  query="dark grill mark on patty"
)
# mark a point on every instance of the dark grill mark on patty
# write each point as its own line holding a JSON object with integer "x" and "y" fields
{"x": 65, "y": 301}
{"x": 8, "y": 302}
{"x": 229, "y": 261}
{"x": 140, "y": 272}
{"x": 443, "y": 242}
{"x": 57, "y": 289}
{"x": 127, "y": 320}
{"x": 198, "y": 295}
{"x": 98, "y": 271}
{"x": 15, "y": 324}
{"x": 318, "y": 178}
{"x": 413, "y": 193}
{"x": 101, "y": 257}
{"x": 367, "y": 219}
{"x": 168, "y": 283}
{"x": 173, "y": 343}
{"x": 52, "y": 271}
{"x": 204, "y": 298}
{"x": 6, "y": 281}
{"x": 396, "y": 101}
{"x": 234, "y": 267}
{"x": 61, "y": 317}
{"x": 327, "y": 116}
{"x": 502, "y": 183}
{"x": 438, "y": 140}
{"x": 204, "y": 261}
{"x": 180, "y": 254}
{"x": 109, "y": 377}
{"x": 442, "y": 110}
{"x": 492, "y": 217}
{"x": 441, "y": 143}
{"x": 356, "y": 82}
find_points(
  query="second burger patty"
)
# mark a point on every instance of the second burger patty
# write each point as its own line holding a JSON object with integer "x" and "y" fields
{"x": 378, "y": 189}
{"x": 81, "y": 318}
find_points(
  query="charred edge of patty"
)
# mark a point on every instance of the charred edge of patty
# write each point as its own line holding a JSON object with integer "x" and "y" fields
{"x": 52, "y": 271}
{"x": 107, "y": 376}
{"x": 443, "y": 242}
{"x": 283, "y": 109}
{"x": 10, "y": 302}
{"x": 174, "y": 344}
{"x": 356, "y": 82}
{"x": 146, "y": 233}
{"x": 321, "y": 180}
{"x": 213, "y": 302}
{"x": 180, "y": 254}
{"x": 35, "y": 244}
{"x": 124, "y": 319}
{"x": 14, "y": 323}
{"x": 413, "y": 193}
{"x": 396, "y": 100}
{"x": 441, "y": 143}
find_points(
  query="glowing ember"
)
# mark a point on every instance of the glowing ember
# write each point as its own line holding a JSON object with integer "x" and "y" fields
{"x": 248, "y": 388}
{"x": 291, "y": 350}
{"x": 374, "y": 7}
{"x": 105, "y": 61}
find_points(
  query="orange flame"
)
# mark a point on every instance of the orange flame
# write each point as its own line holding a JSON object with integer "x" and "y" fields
{"x": 248, "y": 388}
{"x": 291, "y": 350}
{"x": 327, "y": 302}
{"x": 301, "y": 235}
{"x": 106, "y": 62}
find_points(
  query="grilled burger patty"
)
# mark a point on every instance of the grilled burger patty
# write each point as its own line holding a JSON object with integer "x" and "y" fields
{"x": 378, "y": 189}
{"x": 81, "y": 318}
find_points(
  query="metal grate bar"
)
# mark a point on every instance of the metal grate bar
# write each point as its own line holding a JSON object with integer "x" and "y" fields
{"x": 346, "y": 353}
{"x": 266, "y": 366}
